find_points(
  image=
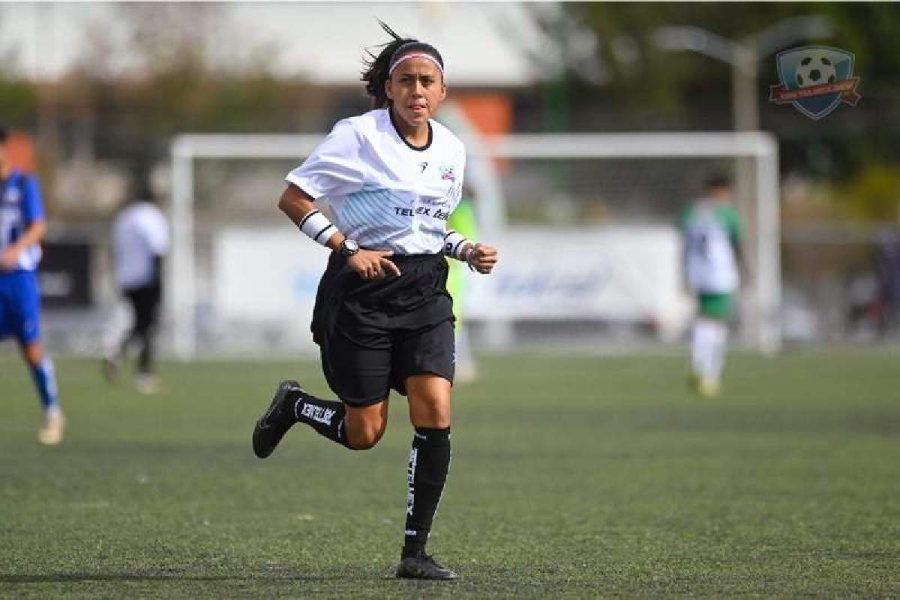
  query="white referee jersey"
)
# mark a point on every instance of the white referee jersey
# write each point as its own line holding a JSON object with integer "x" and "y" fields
{"x": 382, "y": 192}
{"x": 140, "y": 232}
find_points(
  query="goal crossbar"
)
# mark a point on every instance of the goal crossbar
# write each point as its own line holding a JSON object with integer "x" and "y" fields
{"x": 761, "y": 146}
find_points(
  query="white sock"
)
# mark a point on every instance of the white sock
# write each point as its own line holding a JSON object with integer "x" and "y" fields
{"x": 704, "y": 348}
{"x": 718, "y": 348}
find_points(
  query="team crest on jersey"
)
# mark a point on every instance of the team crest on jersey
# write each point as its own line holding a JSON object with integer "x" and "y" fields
{"x": 448, "y": 173}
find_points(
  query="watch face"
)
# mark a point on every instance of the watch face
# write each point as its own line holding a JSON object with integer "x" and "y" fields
{"x": 351, "y": 245}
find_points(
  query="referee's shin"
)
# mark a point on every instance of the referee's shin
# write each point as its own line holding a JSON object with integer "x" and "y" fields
{"x": 429, "y": 463}
{"x": 325, "y": 416}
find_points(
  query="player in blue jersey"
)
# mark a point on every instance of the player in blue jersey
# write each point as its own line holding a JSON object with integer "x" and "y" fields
{"x": 22, "y": 225}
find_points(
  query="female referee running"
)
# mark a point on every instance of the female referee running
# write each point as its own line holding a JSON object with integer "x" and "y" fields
{"x": 383, "y": 318}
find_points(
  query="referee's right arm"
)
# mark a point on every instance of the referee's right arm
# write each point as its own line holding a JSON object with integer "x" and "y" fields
{"x": 297, "y": 204}
{"x": 299, "y": 207}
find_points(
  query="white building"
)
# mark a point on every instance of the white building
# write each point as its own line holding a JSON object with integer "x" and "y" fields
{"x": 485, "y": 44}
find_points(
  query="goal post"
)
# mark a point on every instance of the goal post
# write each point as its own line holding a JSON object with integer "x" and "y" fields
{"x": 761, "y": 313}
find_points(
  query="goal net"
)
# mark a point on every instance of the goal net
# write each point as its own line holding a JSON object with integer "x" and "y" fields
{"x": 586, "y": 224}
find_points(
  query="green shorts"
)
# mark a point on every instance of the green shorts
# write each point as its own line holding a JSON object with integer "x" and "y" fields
{"x": 716, "y": 306}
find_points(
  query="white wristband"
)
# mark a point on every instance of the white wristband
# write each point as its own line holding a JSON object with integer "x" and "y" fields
{"x": 317, "y": 227}
{"x": 454, "y": 243}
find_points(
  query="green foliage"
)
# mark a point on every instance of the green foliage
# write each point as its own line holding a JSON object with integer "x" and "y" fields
{"x": 874, "y": 193}
{"x": 18, "y": 100}
{"x": 18, "y": 97}
{"x": 171, "y": 84}
{"x": 666, "y": 79}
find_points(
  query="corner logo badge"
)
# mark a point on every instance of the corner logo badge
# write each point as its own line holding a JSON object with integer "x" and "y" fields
{"x": 815, "y": 79}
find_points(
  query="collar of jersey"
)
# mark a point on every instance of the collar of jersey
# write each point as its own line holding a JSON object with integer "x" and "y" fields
{"x": 403, "y": 139}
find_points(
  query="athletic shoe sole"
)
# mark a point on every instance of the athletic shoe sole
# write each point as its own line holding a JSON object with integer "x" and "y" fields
{"x": 413, "y": 567}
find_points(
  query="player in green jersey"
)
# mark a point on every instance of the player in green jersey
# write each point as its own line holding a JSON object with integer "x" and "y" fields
{"x": 712, "y": 259}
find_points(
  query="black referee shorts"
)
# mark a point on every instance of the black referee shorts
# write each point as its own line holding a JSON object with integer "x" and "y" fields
{"x": 374, "y": 335}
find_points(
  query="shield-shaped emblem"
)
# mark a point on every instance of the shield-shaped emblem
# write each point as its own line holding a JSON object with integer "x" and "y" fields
{"x": 815, "y": 79}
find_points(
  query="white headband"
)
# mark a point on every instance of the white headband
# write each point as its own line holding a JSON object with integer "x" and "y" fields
{"x": 424, "y": 55}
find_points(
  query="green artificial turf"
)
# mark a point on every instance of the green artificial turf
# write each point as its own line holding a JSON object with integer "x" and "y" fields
{"x": 572, "y": 476}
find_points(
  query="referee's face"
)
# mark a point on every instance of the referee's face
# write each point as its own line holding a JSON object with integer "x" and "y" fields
{"x": 416, "y": 88}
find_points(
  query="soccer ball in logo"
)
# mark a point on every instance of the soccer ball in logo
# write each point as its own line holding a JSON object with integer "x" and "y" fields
{"x": 815, "y": 69}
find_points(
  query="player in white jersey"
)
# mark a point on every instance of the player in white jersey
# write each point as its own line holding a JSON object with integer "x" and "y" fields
{"x": 712, "y": 252}
{"x": 22, "y": 226}
{"x": 140, "y": 241}
{"x": 383, "y": 318}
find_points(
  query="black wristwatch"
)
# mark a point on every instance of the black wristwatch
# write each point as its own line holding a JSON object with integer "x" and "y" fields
{"x": 349, "y": 247}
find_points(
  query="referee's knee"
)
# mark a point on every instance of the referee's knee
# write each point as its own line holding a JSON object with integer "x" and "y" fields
{"x": 365, "y": 425}
{"x": 363, "y": 434}
{"x": 365, "y": 438}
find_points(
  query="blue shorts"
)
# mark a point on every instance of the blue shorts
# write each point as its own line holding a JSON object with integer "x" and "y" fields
{"x": 20, "y": 306}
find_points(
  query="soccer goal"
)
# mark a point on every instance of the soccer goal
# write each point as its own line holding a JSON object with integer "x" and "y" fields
{"x": 586, "y": 223}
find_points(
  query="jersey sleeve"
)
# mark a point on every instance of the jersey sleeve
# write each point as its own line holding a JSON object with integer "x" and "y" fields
{"x": 462, "y": 174}
{"x": 158, "y": 234}
{"x": 455, "y": 195}
{"x": 32, "y": 203}
{"x": 334, "y": 168}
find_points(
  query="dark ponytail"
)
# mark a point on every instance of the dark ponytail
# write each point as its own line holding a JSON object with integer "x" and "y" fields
{"x": 378, "y": 67}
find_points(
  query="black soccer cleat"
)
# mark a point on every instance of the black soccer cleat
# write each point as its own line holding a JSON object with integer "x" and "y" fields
{"x": 272, "y": 426}
{"x": 422, "y": 566}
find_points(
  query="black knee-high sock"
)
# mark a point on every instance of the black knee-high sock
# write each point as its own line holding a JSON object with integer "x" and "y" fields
{"x": 325, "y": 416}
{"x": 429, "y": 462}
